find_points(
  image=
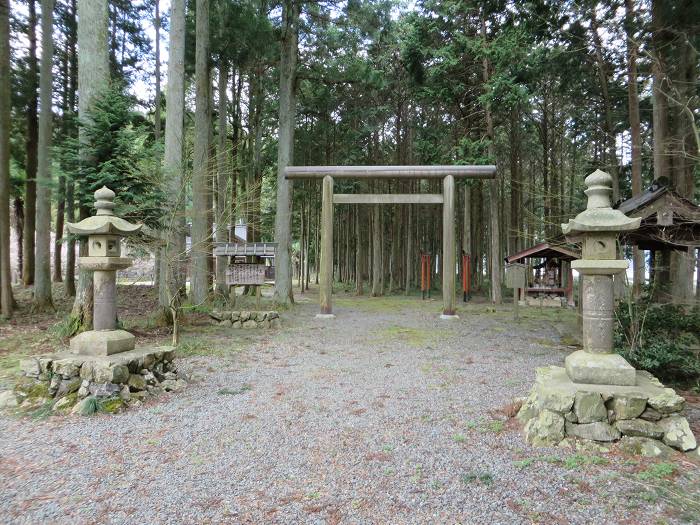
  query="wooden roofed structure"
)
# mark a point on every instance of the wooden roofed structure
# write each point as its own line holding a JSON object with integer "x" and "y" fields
{"x": 669, "y": 221}
{"x": 551, "y": 279}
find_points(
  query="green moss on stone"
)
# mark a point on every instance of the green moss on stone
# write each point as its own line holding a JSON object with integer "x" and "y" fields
{"x": 111, "y": 405}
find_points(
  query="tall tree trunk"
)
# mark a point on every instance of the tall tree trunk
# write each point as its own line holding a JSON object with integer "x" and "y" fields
{"x": 494, "y": 225}
{"x": 173, "y": 256}
{"x": 156, "y": 114}
{"x": 200, "y": 163}
{"x": 93, "y": 79}
{"x": 285, "y": 151}
{"x": 635, "y": 133}
{"x": 31, "y": 147}
{"x": 6, "y": 299}
{"x": 222, "y": 177}
{"x": 42, "y": 276}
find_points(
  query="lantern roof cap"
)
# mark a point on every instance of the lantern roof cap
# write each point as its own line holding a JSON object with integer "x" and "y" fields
{"x": 599, "y": 216}
{"x": 104, "y": 222}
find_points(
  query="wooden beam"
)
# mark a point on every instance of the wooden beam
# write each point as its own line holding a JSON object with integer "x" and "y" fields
{"x": 387, "y": 198}
{"x": 394, "y": 172}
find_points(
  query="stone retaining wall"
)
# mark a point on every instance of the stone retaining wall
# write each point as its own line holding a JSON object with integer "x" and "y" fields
{"x": 646, "y": 418}
{"x": 127, "y": 377}
{"x": 245, "y": 319}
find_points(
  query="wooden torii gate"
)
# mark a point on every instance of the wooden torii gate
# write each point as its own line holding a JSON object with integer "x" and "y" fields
{"x": 446, "y": 198}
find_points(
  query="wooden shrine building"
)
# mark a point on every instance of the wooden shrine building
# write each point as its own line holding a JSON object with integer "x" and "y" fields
{"x": 549, "y": 278}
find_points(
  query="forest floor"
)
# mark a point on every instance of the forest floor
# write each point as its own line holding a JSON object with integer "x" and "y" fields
{"x": 385, "y": 414}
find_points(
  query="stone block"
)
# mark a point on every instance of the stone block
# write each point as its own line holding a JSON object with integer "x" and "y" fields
{"x": 642, "y": 446}
{"x": 67, "y": 367}
{"x": 651, "y": 414}
{"x": 8, "y": 399}
{"x": 627, "y": 406}
{"x": 528, "y": 409}
{"x": 226, "y": 323}
{"x": 599, "y": 369}
{"x": 545, "y": 430}
{"x": 104, "y": 389}
{"x": 136, "y": 382}
{"x": 550, "y": 397}
{"x": 102, "y": 342}
{"x": 639, "y": 428}
{"x": 598, "y": 431}
{"x": 589, "y": 407}
{"x": 677, "y": 433}
{"x": 250, "y": 324}
{"x": 30, "y": 366}
{"x": 667, "y": 401}
{"x": 104, "y": 372}
{"x": 54, "y": 384}
{"x": 68, "y": 386}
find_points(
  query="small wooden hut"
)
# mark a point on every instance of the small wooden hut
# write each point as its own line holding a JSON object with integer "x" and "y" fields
{"x": 550, "y": 281}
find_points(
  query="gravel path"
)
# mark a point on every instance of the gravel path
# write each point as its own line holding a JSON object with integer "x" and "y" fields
{"x": 383, "y": 415}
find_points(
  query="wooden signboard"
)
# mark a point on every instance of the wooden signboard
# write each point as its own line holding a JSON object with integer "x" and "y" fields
{"x": 245, "y": 274}
{"x": 516, "y": 275}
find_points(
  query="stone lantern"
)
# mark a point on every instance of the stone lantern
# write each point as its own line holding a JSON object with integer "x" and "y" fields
{"x": 104, "y": 231}
{"x": 597, "y": 228}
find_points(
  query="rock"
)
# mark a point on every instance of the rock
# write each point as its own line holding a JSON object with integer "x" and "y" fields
{"x": 170, "y": 375}
{"x": 226, "y": 324}
{"x": 235, "y": 316}
{"x": 217, "y": 315}
{"x": 149, "y": 377}
{"x": 54, "y": 384}
{"x": 158, "y": 370}
{"x": 67, "y": 367}
{"x": 275, "y": 323}
{"x": 154, "y": 390}
{"x": 169, "y": 355}
{"x": 627, "y": 407}
{"x": 571, "y": 417}
{"x": 589, "y": 407}
{"x": 124, "y": 393}
{"x": 642, "y": 446}
{"x": 245, "y": 316}
{"x": 598, "y": 431}
{"x": 272, "y": 315}
{"x": 136, "y": 382}
{"x": 677, "y": 433}
{"x": 547, "y": 429}
{"x": 554, "y": 399}
{"x": 651, "y": 414}
{"x": 104, "y": 389}
{"x": 528, "y": 409}
{"x": 84, "y": 389}
{"x": 650, "y": 377}
{"x": 237, "y": 324}
{"x": 250, "y": 324}
{"x": 667, "y": 402}
{"x": 100, "y": 372}
{"x": 64, "y": 403}
{"x": 639, "y": 428}
{"x": 68, "y": 386}
{"x": 141, "y": 394}
{"x": 8, "y": 399}
{"x": 173, "y": 385}
{"x": 30, "y": 367}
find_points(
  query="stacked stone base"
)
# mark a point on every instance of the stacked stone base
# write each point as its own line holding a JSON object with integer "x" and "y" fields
{"x": 646, "y": 417}
{"x": 66, "y": 379}
{"x": 245, "y": 319}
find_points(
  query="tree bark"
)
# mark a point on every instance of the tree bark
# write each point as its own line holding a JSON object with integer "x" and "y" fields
{"x": 222, "y": 177}
{"x": 173, "y": 256}
{"x": 200, "y": 164}
{"x": 494, "y": 229}
{"x": 93, "y": 79}
{"x": 285, "y": 151}
{"x": 6, "y": 299}
{"x": 31, "y": 149}
{"x": 635, "y": 134}
{"x": 42, "y": 276}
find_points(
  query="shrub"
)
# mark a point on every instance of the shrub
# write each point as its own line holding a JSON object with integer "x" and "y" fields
{"x": 659, "y": 338}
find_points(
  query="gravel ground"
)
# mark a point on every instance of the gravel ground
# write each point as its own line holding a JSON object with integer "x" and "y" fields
{"x": 383, "y": 415}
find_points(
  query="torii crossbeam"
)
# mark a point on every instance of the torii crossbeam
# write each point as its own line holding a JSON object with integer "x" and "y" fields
{"x": 447, "y": 199}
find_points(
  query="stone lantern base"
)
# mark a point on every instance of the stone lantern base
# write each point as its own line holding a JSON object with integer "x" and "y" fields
{"x": 102, "y": 342}
{"x": 645, "y": 414}
{"x": 602, "y": 369}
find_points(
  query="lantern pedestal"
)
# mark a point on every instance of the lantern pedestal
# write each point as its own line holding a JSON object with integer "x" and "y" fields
{"x": 102, "y": 342}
